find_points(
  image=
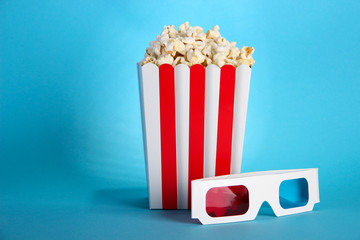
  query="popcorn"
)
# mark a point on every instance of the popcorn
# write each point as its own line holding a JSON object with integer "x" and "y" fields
{"x": 148, "y": 60}
{"x": 219, "y": 59}
{"x": 195, "y": 57}
{"x": 180, "y": 60}
{"x": 183, "y": 27}
{"x": 190, "y": 45}
{"x": 164, "y": 59}
{"x": 173, "y": 46}
{"x": 234, "y": 52}
{"x": 214, "y": 33}
{"x": 207, "y": 51}
{"x": 246, "y": 56}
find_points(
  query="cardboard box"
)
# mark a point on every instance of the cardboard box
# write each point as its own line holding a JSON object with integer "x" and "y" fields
{"x": 193, "y": 123}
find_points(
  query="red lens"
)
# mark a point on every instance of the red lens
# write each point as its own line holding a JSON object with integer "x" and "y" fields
{"x": 227, "y": 201}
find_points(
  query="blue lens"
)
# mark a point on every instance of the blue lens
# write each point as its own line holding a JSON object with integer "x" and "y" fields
{"x": 294, "y": 193}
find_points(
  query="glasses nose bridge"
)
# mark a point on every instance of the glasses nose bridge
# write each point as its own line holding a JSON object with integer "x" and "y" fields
{"x": 268, "y": 186}
{"x": 270, "y": 190}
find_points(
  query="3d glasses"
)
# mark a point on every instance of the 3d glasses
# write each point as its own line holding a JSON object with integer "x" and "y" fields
{"x": 238, "y": 197}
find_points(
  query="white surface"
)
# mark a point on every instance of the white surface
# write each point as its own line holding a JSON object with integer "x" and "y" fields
{"x": 143, "y": 120}
{"x": 149, "y": 79}
{"x": 242, "y": 87}
{"x": 182, "y": 92}
{"x": 212, "y": 91}
{"x": 262, "y": 186}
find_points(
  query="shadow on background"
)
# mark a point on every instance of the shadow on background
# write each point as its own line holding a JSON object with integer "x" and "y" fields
{"x": 135, "y": 198}
{"x": 183, "y": 216}
{"x": 111, "y": 200}
{"x": 266, "y": 210}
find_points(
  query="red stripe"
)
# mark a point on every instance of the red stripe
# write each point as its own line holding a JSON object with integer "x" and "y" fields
{"x": 225, "y": 120}
{"x": 168, "y": 136}
{"x": 196, "y": 125}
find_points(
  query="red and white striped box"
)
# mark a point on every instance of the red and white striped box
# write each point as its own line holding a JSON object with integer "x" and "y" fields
{"x": 193, "y": 122}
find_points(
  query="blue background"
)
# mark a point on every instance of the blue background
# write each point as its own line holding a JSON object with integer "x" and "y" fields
{"x": 71, "y": 154}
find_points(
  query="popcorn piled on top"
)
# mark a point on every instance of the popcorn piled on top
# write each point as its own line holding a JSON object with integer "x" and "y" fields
{"x": 190, "y": 45}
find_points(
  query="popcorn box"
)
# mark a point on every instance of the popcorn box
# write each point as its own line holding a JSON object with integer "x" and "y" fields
{"x": 193, "y": 121}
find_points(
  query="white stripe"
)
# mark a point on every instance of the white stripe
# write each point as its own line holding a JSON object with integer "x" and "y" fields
{"x": 212, "y": 90}
{"x": 143, "y": 118}
{"x": 182, "y": 96}
{"x": 151, "y": 110}
{"x": 242, "y": 86}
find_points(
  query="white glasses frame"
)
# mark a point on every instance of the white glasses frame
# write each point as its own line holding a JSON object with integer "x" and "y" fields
{"x": 262, "y": 186}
